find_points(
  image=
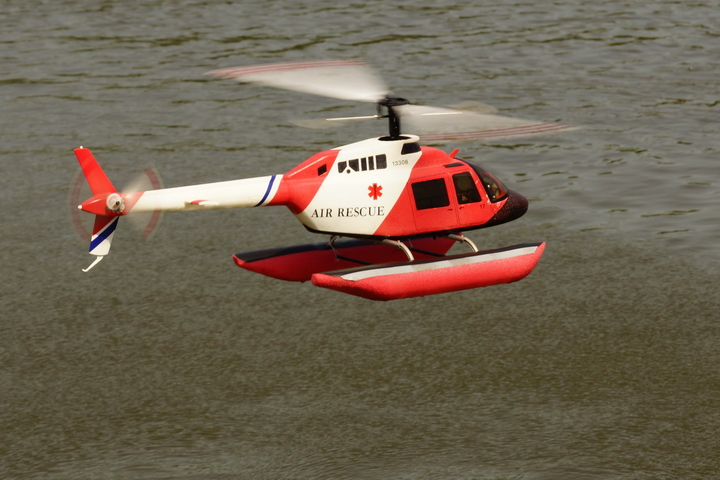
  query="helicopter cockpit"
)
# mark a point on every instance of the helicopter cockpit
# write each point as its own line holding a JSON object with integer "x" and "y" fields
{"x": 494, "y": 188}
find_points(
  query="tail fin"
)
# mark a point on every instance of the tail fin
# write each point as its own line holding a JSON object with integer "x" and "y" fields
{"x": 105, "y": 225}
{"x": 98, "y": 181}
{"x": 103, "y": 231}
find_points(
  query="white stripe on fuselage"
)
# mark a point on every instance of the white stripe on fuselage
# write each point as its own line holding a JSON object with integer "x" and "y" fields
{"x": 345, "y": 202}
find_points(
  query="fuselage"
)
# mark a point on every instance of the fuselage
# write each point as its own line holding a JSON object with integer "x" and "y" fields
{"x": 394, "y": 189}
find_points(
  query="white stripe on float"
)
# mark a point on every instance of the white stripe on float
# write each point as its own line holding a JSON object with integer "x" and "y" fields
{"x": 453, "y": 262}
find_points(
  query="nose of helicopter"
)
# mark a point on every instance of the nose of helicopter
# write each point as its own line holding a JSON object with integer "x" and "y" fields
{"x": 515, "y": 207}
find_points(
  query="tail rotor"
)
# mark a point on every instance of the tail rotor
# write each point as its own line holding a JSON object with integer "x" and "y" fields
{"x": 145, "y": 223}
{"x": 107, "y": 204}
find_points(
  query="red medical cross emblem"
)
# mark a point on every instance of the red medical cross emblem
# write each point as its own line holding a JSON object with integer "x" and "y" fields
{"x": 375, "y": 191}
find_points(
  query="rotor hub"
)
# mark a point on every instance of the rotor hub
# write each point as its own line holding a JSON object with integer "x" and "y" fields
{"x": 115, "y": 203}
{"x": 393, "y": 118}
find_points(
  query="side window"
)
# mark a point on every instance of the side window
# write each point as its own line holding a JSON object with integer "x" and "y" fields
{"x": 381, "y": 161}
{"x": 465, "y": 188}
{"x": 430, "y": 194}
{"x": 377, "y": 162}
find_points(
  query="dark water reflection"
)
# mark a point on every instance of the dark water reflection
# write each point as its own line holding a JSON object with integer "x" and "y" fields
{"x": 169, "y": 362}
{"x": 584, "y": 370}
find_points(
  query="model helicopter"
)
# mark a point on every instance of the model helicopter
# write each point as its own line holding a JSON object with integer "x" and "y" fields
{"x": 401, "y": 205}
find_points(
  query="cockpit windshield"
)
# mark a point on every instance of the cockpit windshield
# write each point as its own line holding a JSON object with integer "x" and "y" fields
{"x": 495, "y": 189}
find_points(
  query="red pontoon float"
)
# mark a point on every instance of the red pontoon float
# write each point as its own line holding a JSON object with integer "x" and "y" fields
{"x": 431, "y": 273}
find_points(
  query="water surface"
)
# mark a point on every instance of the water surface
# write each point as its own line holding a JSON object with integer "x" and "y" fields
{"x": 169, "y": 362}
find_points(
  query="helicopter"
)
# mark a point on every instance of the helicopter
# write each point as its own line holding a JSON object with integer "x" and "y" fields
{"x": 399, "y": 206}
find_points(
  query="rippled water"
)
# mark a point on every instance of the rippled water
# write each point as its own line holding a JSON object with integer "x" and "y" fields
{"x": 169, "y": 362}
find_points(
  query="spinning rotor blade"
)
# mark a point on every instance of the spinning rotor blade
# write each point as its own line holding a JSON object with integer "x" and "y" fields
{"x": 323, "y": 123}
{"x": 79, "y": 191}
{"x": 343, "y": 79}
{"x": 474, "y": 107}
{"x": 435, "y": 124}
{"x": 356, "y": 80}
{"x": 144, "y": 222}
{"x": 148, "y": 180}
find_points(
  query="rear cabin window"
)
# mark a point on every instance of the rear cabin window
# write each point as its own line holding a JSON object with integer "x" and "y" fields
{"x": 465, "y": 188}
{"x": 377, "y": 162}
{"x": 430, "y": 194}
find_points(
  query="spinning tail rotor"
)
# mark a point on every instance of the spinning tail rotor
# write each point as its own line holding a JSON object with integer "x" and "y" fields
{"x": 107, "y": 204}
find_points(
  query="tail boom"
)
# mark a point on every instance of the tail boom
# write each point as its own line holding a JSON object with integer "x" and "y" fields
{"x": 107, "y": 204}
{"x": 244, "y": 193}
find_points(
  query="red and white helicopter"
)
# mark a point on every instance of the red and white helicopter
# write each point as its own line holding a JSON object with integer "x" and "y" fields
{"x": 402, "y": 205}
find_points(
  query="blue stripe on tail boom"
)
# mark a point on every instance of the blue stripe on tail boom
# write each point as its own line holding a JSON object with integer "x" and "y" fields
{"x": 267, "y": 192}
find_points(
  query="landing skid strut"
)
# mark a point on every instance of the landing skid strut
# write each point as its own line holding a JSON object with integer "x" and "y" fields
{"x": 460, "y": 238}
{"x": 407, "y": 251}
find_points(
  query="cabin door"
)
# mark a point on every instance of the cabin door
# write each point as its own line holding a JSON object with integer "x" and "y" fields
{"x": 470, "y": 205}
{"x": 434, "y": 207}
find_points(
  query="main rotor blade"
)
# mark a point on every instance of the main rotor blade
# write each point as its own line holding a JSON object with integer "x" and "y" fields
{"x": 343, "y": 79}
{"x": 323, "y": 123}
{"x": 435, "y": 124}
